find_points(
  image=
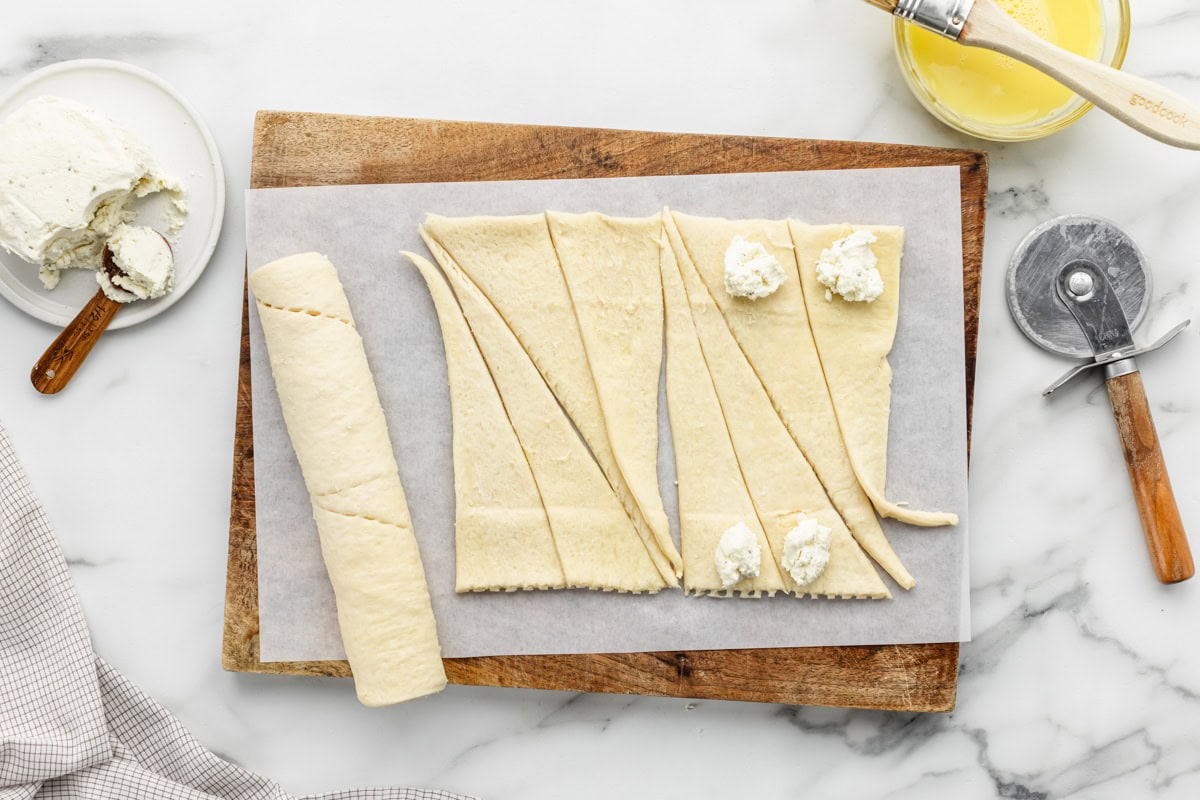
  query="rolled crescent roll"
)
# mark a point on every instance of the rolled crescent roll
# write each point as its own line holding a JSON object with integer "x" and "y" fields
{"x": 338, "y": 431}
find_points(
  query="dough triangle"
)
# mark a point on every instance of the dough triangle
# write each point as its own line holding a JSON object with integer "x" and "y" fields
{"x": 780, "y": 480}
{"x": 610, "y": 266}
{"x": 712, "y": 492}
{"x": 502, "y": 537}
{"x": 513, "y": 263}
{"x": 774, "y": 335}
{"x": 597, "y": 544}
{"x": 853, "y": 340}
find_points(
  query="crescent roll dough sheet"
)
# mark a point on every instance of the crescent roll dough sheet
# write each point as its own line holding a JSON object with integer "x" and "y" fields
{"x": 712, "y": 492}
{"x": 513, "y": 263}
{"x": 773, "y": 333}
{"x": 780, "y": 480}
{"x": 337, "y": 428}
{"x": 596, "y": 542}
{"x": 853, "y": 340}
{"x": 502, "y": 537}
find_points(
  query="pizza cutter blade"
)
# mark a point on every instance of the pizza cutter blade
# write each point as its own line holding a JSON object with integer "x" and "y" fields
{"x": 1078, "y": 286}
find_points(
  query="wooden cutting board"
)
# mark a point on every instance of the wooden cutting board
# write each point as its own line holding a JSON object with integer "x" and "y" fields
{"x": 299, "y": 149}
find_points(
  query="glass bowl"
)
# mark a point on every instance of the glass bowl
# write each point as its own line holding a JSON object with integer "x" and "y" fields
{"x": 1115, "y": 24}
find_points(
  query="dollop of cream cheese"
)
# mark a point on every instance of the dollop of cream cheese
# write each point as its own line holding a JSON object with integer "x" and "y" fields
{"x": 145, "y": 268}
{"x": 67, "y": 176}
{"x": 738, "y": 555}
{"x": 750, "y": 271}
{"x": 848, "y": 268}
{"x": 806, "y": 550}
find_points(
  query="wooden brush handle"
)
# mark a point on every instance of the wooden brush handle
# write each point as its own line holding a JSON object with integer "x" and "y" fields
{"x": 1165, "y": 536}
{"x": 64, "y": 355}
{"x": 1139, "y": 103}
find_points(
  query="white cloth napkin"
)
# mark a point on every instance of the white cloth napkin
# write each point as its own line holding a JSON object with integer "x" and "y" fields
{"x": 70, "y": 725}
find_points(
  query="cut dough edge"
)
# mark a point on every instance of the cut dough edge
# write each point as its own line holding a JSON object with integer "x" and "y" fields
{"x": 577, "y": 397}
{"x": 887, "y": 508}
{"x": 779, "y": 479}
{"x": 809, "y": 241}
{"x": 309, "y": 311}
{"x": 502, "y": 535}
{"x": 304, "y": 280}
{"x": 597, "y": 544}
{"x": 823, "y": 437}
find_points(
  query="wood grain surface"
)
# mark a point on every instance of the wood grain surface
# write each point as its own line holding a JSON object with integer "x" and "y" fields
{"x": 1165, "y": 537}
{"x": 300, "y": 149}
{"x": 66, "y": 353}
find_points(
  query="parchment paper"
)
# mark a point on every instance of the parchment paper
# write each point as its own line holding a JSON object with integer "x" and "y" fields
{"x": 363, "y": 229}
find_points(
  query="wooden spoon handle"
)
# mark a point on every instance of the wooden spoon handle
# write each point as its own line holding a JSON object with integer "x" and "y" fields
{"x": 1139, "y": 103}
{"x": 1151, "y": 485}
{"x": 64, "y": 355}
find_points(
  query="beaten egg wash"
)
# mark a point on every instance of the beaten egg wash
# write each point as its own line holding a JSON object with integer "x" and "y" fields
{"x": 995, "y": 89}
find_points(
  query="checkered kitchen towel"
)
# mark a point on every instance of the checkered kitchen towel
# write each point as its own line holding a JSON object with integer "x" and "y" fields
{"x": 70, "y": 725}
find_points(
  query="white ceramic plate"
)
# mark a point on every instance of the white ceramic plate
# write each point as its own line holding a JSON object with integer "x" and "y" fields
{"x": 145, "y": 105}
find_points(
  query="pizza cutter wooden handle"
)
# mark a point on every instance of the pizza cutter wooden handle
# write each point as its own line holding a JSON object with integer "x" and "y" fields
{"x": 1165, "y": 536}
{"x": 64, "y": 355}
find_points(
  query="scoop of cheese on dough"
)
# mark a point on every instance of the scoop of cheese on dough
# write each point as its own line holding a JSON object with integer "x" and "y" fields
{"x": 750, "y": 271}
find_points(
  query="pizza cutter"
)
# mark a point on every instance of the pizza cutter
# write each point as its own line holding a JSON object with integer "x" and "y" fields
{"x": 1078, "y": 286}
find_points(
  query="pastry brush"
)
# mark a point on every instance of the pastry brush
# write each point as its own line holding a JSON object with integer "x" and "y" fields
{"x": 1139, "y": 103}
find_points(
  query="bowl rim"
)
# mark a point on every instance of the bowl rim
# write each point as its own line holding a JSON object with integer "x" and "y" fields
{"x": 1064, "y": 116}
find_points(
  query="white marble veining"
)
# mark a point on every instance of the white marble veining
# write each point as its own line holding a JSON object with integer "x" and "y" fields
{"x": 1084, "y": 676}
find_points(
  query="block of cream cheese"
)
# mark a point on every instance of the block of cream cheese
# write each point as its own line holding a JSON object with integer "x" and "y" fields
{"x": 67, "y": 176}
{"x": 337, "y": 428}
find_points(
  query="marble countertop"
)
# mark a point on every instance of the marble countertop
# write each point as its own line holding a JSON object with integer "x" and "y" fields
{"x": 1083, "y": 678}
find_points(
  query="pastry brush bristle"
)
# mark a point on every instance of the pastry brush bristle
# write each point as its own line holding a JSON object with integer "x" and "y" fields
{"x": 887, "y": 5}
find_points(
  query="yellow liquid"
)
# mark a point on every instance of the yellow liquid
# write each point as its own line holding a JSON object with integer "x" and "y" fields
{"x": 996, "y": 90}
